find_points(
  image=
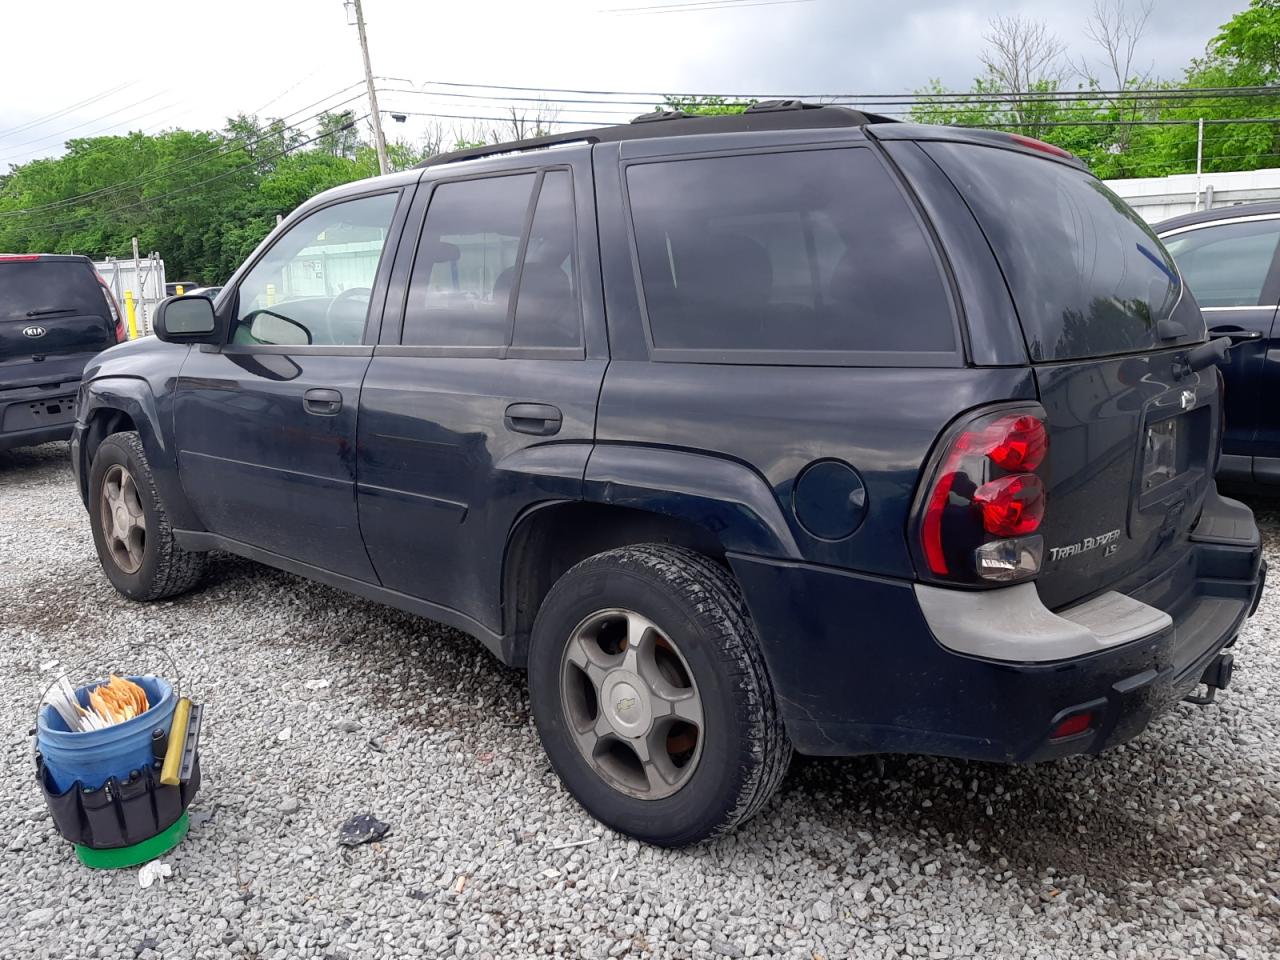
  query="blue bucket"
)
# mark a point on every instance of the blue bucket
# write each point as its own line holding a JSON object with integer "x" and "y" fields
{"x": 95, "y": 756}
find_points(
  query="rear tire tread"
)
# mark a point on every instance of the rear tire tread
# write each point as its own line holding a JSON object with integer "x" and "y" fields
{"x": 715, "y": 593}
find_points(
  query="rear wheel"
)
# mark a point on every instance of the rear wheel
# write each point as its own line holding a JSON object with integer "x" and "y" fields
{"x": 651, "y": 697}
{"x": 131, "y": 530}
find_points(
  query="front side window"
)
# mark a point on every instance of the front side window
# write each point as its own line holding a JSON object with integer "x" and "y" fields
{"x": 314, "y": 285}
{"x": 1227, "y": 265}
{"x": 807, "y": 251}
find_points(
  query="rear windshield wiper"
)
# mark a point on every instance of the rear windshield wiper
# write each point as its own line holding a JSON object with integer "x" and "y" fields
{"x": 49, "y": 311}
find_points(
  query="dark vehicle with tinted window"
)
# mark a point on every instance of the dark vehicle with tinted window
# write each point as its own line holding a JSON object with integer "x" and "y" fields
{"x": 795, "y": 430}
{"x": 1230, "y": 258}
{"x": 55, "y": 315}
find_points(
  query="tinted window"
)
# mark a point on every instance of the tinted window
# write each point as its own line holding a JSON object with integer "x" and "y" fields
{"x": 1226, "y": 266}
{"x": 804, "y": 251}
{"x": 313, "y": 286}
{"x": 547, "y": 302}
{"x": 31, "y": 289}
{"x": 1088, "y": 277}
{"x": 465, "y": 268}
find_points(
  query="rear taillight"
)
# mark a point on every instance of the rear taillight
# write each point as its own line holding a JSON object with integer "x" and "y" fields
{"x": 116, "y": 317}
{"x": 977, "y": 517}
{"x": 19, "y": 257}
{"x": 1031, "y": 143}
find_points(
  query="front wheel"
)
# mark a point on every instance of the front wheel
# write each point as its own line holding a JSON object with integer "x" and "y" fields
{"x": 651, "y": 697}
{"x": 131, "y": 530}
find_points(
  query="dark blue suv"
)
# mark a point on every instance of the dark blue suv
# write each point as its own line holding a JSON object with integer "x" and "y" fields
{"x": 800, "y": 429}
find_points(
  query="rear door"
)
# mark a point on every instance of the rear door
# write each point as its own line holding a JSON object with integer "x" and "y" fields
{"x": 1230, "y": 265}
{"x": 481, "y": 399}
{"x": 1107, "y": 323}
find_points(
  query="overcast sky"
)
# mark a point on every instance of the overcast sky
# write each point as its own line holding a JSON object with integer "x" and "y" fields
{"x": 165, "y": 63}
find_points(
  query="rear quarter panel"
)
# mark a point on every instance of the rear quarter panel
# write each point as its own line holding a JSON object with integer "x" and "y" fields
{"x": 773, "y": 421}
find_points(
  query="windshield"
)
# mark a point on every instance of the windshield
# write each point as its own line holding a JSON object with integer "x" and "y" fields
{"x": 1088, "y": 277}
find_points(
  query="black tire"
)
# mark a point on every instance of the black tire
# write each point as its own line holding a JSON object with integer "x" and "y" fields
{"x": 166, "y": 569}
{"x": 744, "y": 752}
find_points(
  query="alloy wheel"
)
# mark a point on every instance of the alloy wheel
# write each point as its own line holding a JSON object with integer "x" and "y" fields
{"x": 124, "y": 525}
{"x": 632, "y": 704}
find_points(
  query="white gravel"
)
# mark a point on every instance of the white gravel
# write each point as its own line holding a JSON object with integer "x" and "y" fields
{"x": 1165, "y": 848}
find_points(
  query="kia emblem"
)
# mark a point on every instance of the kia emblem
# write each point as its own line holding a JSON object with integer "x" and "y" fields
{"x": 33, "y": 332}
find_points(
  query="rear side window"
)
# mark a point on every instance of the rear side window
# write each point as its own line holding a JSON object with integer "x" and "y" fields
{"x": 32, "y": 289}
{"x": 1226, "y": 265}
{"x": 465, "y": 268}
{"x": 547, "y": 313}
{"x": 1088, "y": 277}
{"x": 785, "y": 253}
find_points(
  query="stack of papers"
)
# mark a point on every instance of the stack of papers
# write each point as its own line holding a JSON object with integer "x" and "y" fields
{"x": 112, "y": 702}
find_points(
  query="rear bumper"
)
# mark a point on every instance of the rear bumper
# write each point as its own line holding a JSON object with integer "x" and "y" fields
{"x": 33, "y": 415}
{"x": 858, "y": 669}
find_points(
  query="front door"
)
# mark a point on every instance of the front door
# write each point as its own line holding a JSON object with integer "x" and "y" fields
{"x": 1230, "y": 266}
{"x": 481, "y": 400}
{"x": 266, "y": 424}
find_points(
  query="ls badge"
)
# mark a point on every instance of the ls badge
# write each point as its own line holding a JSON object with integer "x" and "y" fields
{"x": 1109, "y": 540}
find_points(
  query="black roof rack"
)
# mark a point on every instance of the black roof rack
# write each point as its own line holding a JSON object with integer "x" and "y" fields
{"x": 765, "y": 115}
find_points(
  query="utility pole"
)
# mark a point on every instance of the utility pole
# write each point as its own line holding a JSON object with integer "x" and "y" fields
{"x": 1199, "y": 157}
{"x": 379, "y": 140}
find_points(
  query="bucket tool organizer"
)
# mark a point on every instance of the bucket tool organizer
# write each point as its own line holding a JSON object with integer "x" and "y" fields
{"x": 120, "y": 793}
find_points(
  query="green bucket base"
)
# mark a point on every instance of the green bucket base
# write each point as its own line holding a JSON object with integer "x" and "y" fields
{"x": 148, "y": 849}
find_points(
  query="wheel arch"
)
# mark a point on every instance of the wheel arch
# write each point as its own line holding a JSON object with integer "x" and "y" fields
{"x": 549, "y": 538}
{"x": 120, "y": 403}
{"x": 638, "y": 494}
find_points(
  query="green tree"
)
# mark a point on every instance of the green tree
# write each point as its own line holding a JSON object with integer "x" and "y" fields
{"x": 1132, "y": 134}
{"x": 705, "y": 106}
{"x": 1252, "y": 38}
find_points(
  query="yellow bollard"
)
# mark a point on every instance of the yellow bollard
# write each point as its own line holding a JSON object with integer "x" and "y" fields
{"x": 131, "y": 312}
{"x": 178, "y": 288}
{"x": 271, "y": 294}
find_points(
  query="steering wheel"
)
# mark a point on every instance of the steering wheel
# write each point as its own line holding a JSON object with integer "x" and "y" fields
{"x": 329, "y": 321}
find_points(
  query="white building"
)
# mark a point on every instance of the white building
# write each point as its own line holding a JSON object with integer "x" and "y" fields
{"x": 1158, "y": 198}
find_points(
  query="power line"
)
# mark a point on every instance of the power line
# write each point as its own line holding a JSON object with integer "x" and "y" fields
{"x": 65, "y": 110}
{"x": 91, "y": 120}
{"x": 1174, "y": 93}
{"x": 703, "y": 6}
{"x": 531, "y": 121}
{"x": 61, "y": 133}
{"x": 224, "y": 146}
{"x": 1028, "y": 124}
{"x": 601, "y": 106}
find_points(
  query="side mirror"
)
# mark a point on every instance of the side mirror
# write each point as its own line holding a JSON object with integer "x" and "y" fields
{"x": 188, "y": 319}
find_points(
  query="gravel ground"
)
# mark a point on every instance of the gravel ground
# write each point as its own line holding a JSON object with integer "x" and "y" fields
{"x": 1164, "y": 848}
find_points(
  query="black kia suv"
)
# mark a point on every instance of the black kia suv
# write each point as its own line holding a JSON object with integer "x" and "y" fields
{"x": 795, "y": 430}
{"x": 55, "y": 315}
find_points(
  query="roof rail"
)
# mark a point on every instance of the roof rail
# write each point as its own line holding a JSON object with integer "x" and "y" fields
{"x": 765, "y": 115}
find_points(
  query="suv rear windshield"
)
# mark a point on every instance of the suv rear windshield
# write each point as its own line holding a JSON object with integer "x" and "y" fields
{"x": 30, "y": 289}
{"x": 1088, "y": 277}
{"x": 783, "y": 254}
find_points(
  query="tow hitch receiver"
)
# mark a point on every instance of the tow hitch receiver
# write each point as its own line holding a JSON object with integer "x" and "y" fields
{"x": 1216, "y": 677}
